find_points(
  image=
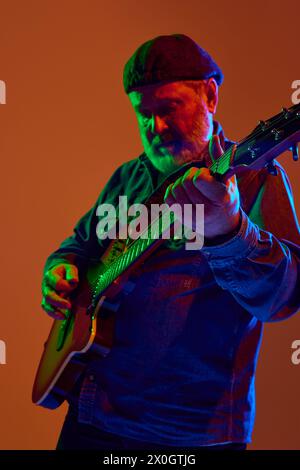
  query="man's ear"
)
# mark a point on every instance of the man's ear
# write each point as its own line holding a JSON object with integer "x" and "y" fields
{"x": 212, "y": 95}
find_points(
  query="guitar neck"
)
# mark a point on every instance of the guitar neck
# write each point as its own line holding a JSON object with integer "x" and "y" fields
{"x": 137, "y": 249}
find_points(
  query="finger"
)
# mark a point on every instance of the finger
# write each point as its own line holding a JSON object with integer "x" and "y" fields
{"x": 214, "y": 147}
{"x": 57, "y": 315}
{"x": 178, "y": 192}
{"x": 56, "y": 278}
{"x": 232, "y": 188}
{"x": 72, "y": 275}
{"x": 169, "y": 198}
{"x": 45, "y": 287}
{"x": 212, "y": 189}
{"x": 57, "y": 301}
{"x": 195, "y": 196}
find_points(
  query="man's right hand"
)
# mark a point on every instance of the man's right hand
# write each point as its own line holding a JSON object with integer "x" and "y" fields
{"x": 58, "y": 283}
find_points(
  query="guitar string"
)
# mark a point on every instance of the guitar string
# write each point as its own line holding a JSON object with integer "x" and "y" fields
{"x": 248, "y": 139}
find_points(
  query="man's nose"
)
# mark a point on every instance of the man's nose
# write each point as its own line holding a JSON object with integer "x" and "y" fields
{"x": 158, "y": 124}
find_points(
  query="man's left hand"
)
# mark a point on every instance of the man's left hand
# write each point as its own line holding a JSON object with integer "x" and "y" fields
{"x": 221, "y": 199}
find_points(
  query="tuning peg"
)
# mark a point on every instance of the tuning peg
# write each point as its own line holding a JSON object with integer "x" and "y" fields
{"x": 262, "y": 124}
{"x": 294, "y": 150}
{"x": 253, "y": 151}
{"x": 277, "y": 133}
{"x": 272, "y": 168}
{"x": 286, "y": 112}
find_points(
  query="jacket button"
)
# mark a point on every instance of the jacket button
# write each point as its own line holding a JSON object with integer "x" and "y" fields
{"x": 91, "y": 378}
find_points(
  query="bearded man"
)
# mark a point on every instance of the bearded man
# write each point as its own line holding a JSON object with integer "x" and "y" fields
{"x": 182, "y": 367}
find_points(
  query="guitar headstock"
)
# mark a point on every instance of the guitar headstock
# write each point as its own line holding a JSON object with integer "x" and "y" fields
{"x": 269, "y": 139}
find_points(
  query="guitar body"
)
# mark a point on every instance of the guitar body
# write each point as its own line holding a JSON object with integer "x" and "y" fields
{"x": 63, "y": 359}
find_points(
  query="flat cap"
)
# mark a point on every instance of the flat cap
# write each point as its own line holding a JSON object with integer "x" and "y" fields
{"x": 169, "y": 58}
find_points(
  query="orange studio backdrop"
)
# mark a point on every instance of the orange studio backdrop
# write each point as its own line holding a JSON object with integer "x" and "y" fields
{"x": 66, "y": 124}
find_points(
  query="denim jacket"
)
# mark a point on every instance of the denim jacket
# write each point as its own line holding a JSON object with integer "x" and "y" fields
{"x": 181, "y": 371}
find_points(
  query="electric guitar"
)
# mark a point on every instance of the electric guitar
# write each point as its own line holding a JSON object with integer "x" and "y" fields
{"x": 89, "y": 328}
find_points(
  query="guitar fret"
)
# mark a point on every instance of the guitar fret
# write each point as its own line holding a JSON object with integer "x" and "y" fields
{"x": 135, "y": 250}
{"x": 110, "y": 276}
{"x": 132, "y": 257}
{"x": 149, "y": 232}
{"x": 138, "y": 248}
{"x": 126, "y": 263}
{"x": 122, "y": 263}
{"x": 115, "y": 272}
{"x": 116, "y": 265}
{"x": 225, "y": 162}
{"x": 141, "y": 243}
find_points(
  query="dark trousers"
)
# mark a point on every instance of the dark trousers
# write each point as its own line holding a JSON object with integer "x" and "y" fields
{"x": 75, "y": 435}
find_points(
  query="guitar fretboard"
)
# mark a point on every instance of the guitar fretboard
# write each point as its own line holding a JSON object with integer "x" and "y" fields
{"x": 156, "y": 230}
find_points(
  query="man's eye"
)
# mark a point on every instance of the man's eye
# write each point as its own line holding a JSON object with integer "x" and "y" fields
{"x": 170, "y": 109}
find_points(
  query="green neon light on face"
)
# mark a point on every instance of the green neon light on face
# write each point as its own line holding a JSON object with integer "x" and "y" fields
{"x": 174, "y": 123}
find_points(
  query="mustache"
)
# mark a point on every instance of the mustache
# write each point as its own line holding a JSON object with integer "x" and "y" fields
{"x": 157, "y": 142}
